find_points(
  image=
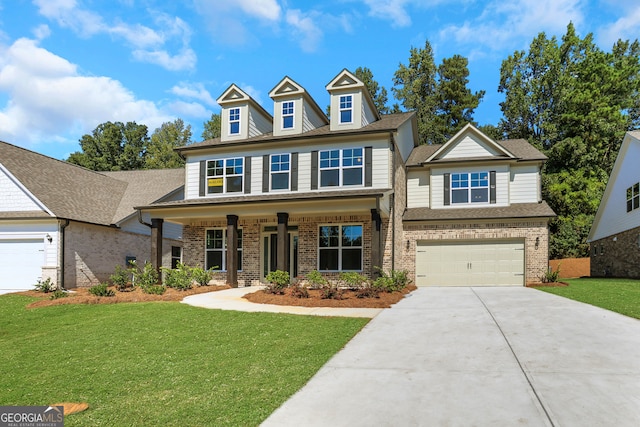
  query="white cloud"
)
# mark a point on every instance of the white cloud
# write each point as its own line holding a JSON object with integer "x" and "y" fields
{"x": 47, "y": 96}
{"x": 188, "y": 109}
{"x": 264, "y": 9}
{"x": 393, "y": 10}
{"x": 184, "y": 60}
{"x": 304, "y": 26}
{"x": 625, "y": 28}
{"x": 195, "y": 91}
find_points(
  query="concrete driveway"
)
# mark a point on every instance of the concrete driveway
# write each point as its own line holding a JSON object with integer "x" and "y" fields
{"x": 479, "y": 357}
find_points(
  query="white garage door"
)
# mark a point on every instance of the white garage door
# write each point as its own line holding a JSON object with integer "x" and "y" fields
{"x": 485, "y": 263}
{"x": 21, "y": 263}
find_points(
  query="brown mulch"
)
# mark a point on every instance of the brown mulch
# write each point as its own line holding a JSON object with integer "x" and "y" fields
{"x": 349, "y": 299}
{"x": 548, "y": 285}
{"x": 571, "y": 268}
{"x": 82, "y": 296}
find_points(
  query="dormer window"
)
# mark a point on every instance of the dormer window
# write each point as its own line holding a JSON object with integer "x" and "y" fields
{"x": 346, "y": 108}
{"x": 234, "y": 121}
{"x": 633, "y": 197}
{"x": 287, "y": 115}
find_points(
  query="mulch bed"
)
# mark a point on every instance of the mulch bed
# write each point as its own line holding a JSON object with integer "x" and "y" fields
{"x": 547, "y": 285}
{"x": 349, "y": 299}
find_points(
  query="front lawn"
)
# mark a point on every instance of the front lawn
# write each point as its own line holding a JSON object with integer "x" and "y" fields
{"x": 161, "y": 363}
{"x": 619, "y": 295}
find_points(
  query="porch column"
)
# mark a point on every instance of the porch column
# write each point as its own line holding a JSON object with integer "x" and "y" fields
{"x": 156, "y": 245}
{"x": 282, "y": 256}
{"x": 232, "y": 251}
{"x": 376, "y": 250}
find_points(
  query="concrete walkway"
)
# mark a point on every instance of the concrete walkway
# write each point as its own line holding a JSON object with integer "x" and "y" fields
{"x": 231, "y": 299}
{"x": 479, "y": 357}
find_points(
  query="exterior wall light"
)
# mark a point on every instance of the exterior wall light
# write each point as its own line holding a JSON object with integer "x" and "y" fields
{"x": 49, "y": 238}
{"x": 537, "y": 242}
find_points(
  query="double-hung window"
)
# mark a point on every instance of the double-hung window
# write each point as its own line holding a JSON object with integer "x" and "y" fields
{"x": 216, "y": 249}
{"x": 340, "y": 248}
{"x": 341, "y": 167}
{"x": 633, "y": 197}
{"x": 287, "y": 115}
{"x": 346, "y": 109}
{"x": 280, "y": 171}
{"x": 470, "y": 187}
{"x": 234, "y": 121}
{"x": 224, "y": 175}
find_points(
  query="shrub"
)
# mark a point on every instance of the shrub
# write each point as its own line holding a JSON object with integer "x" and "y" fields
{"x": 277, "y": 282}
{"x": 145, "y": 276}
{"x": 120, "y": 279}
{"x": 154, "y": 289}
{"x": 178, "y": 278}
{"x": 201, "y": 276}
{"x": 58, "y": 293}
{"x": 101, "y": 290}
{"x": 331, "y": 291}
{"x": 352, "y": 280}
{"x": 45, "y": 286}
{"x": 368, "y": 290}
{"x": 316, "y": 279}
{"x": 551, "y": 276}
{"x": 299, "y": 291}
{"x": 397, "y": 280}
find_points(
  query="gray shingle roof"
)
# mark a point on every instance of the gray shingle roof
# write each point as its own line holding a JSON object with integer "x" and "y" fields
{"x": 388, "y": 123}
{"x": 73, "y": 192}
{"x": 519, "y": 210}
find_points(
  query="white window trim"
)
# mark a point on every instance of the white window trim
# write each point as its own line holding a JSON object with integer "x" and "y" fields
{"x": 235, "y": 121}
{"x": 292, "y": 115}
{"x": 469, "y": 188}
{"x": 272, "y": 172}
{"x": 630, "y": 196}
{"x": 224, "y": 176}
{"x": 340, "y": 109}
{"x": 224, "y": 248}
{"x": 341, "y": 168}
{"x": 340, "y": 247}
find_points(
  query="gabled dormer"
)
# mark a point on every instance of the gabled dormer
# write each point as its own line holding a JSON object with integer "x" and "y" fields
{"x": 241, "y": 116}
{"x": 470, "y": 143}
{"x": 351, "y": 103}
{"x": 294, "y": 110}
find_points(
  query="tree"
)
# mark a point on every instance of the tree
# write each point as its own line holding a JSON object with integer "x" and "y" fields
{"x": 112, "y": 147}
{"x": 378, "y": 93}
{"x": 161, "y": 153}
{"x": 212, "y": 127}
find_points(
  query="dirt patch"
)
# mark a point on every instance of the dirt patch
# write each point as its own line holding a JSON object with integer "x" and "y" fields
{"x": 82, "y": 296}
{"x": 349, "y": 299}
{"x": 571, "y": 268}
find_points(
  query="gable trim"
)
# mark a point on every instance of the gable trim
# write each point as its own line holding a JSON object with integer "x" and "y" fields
{"x": 28, "y": 193}
{"x": 468, "y": 128}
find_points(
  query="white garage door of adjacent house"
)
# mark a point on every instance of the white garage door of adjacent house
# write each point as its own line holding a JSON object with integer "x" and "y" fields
{"x": 21, "y": 262}
{"x": 485, "y": 263}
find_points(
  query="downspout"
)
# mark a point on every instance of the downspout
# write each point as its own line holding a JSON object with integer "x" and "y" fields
{"x": 61, "y": 227}
{"x": 392, "y": 200}
{"x": 141, "y": 221}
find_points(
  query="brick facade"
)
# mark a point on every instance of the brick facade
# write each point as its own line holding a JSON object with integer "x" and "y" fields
{"x": 617, "y": 256}
{"x": 93, "y": 251}
{"x": 536, "y": 256}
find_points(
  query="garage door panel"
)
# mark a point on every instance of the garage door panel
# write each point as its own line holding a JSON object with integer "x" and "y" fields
{"x": 475, "y": 263}
{"x": 21, "y": 262}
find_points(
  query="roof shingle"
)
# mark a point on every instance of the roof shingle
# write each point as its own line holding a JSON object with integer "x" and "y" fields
{"x": 519, "y": 210}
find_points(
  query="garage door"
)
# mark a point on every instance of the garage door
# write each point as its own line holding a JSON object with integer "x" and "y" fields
{"x": 485, "y": 263}
{"x": 21, "y": 263}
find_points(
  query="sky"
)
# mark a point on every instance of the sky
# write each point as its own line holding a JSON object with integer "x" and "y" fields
{"x": 67, "y": 66}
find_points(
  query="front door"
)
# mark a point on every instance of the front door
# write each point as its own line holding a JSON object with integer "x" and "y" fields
{"x": 269, "y": 260}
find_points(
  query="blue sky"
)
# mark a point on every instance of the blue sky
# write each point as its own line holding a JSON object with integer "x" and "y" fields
{"x": 68, "y": 65}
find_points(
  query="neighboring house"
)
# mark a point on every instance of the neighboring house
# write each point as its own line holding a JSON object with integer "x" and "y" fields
{"x": 73, "y": 225}
{"x": 300, "y": 192}
{"x": 615, "y": 233}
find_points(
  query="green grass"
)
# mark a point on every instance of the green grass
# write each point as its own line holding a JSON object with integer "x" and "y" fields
{"x": 161, "y": 363}
{"x": 619, "y": 295}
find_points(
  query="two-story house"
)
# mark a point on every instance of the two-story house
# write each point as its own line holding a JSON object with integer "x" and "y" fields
{"x": 299, "y": 191}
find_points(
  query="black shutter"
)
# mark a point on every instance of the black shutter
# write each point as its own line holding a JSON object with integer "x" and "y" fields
{"x": 492, "y": 186}
{"x": 265, "y": 173}
{"x": 247, "y": 175}
{"x": 203, "y": 177}
{"x": 314, "y": 170}
{"x": 294, "y": 171}
{"x": 368, "y": 166}
{"x": 447, "y": 188}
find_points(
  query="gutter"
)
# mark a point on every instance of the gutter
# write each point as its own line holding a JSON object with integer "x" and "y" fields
{"x": 141, "y": 221}
{"x": 61, "y": 227}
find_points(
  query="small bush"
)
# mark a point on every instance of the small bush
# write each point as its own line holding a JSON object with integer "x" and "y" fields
{"x": 278, "y": 281}
{"x": 45, "y": 286}
{"x": 551, "y": 276}
{"x": 331, "y": 291}
{"x": 121, "y": 279}
{"x": 154, "y": 289}
{"x": 145, "y": 276}
{"x": 58, "y": 293}
{"x": 299, "y": 291}
{"x": 101, "y": 290}
{"x": 352, "y": 280}
{"x": 178, "y": 278}
{"x": 397, "y": 280}
{"x": 369, "y": 290}
{"x": 316, "y": 280}
{"x": 201, "y": 276}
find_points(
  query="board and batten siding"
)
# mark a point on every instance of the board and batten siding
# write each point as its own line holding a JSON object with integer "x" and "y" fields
{"x": 502, "y": 185}
{"x": 14, "y": 197}
{"x": 418, "y": 189}
{"x": 524, "y": 184}
{"x": 470, "y": 147}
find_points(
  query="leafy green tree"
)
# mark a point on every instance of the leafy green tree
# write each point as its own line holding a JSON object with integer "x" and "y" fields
{"x": 160, "y": 152}
{"x": 212, "y": 127}
{"x": 378, "y": 93}
{"x": 112, "y": 147}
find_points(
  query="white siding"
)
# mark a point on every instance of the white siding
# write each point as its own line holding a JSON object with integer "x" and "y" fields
{"x": 470, "y": 147}
{"x": 258, "y": 124}
{"x": 304, "y": 171}
{"x": 418, "y": 189}
{"x": 19, "y": 230}
{"x": 405, "y": 139}
{"x": 13, "y": 198}
{"x": 310, "y": 119}
{"x": 381, "y": 165}
{"x": 502, "y": 186}
{"x": 169, "y": 229}
{"x": 524, "y": 184}
{"x": 192, "y": 180}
